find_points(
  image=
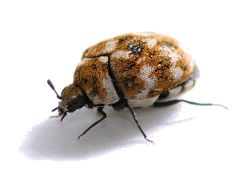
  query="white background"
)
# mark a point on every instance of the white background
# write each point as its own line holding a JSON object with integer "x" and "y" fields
{"x": 45, "y": 39}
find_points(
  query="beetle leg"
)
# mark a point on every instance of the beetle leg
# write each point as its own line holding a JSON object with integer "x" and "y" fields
{"x": 63, "y": 116}
{"x": 57, "y": 116}
{"x": 172, "y": 102}
{"x": 100, "y": 110}
{"x": 136, "y": 121}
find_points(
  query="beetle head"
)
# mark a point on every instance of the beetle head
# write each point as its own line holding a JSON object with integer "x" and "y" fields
{"x": 71, "y": 99}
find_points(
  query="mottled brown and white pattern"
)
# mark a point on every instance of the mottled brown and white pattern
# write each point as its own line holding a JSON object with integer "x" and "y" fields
{"x": 143, "y": 65}
{"x": 128, "y": 71}
{"x": 93, "y": 77}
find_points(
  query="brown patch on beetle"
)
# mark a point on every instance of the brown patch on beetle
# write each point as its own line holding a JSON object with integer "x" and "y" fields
{"x": 70, "y": 91}
{"x": 90, "y": 75}
{"x": 136, "y": 54}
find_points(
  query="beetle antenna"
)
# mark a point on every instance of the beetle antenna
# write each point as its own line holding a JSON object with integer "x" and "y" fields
{"x": 172, "y": 102}
{"x": 53, "y": 88}
{"x": 54, "y": 109}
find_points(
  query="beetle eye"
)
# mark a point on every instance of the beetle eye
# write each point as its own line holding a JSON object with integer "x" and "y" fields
{"x": 76, "y": 103}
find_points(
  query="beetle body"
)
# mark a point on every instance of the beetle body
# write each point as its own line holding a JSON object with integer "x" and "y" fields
{"x": 137, "y": 67}
{"x": 129, "y": 71}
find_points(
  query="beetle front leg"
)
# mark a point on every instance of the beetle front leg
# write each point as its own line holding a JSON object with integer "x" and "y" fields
{"x": 104, "y": 115}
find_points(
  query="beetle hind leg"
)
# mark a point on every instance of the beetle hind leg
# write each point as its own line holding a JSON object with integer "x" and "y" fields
{"x": 136, "y": 121}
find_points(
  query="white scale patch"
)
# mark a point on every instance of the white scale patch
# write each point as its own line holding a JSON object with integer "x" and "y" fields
{"x": 169, "y": 52}
{"x": 112, "y": 96}
{"x": 188, "y": 85}
{"x": 165, "y": 50}
{"x": 83, "y": 61}
{"x": 151, "y": 42}
{"x": 121, "y": 54}
{"x": 174, "y": 92}
{"x": 149, "y": 83}
{"x": 176, "y": 71}
{"x": 103, "y": 59}
{"x": 110, "y": 46}
{"x": 145, "y": 102}
{"x": 141, "y": 98}
{"x": 145, "y": 72}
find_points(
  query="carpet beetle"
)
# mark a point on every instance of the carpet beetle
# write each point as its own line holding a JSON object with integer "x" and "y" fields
{"x": 129, "y": 71}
